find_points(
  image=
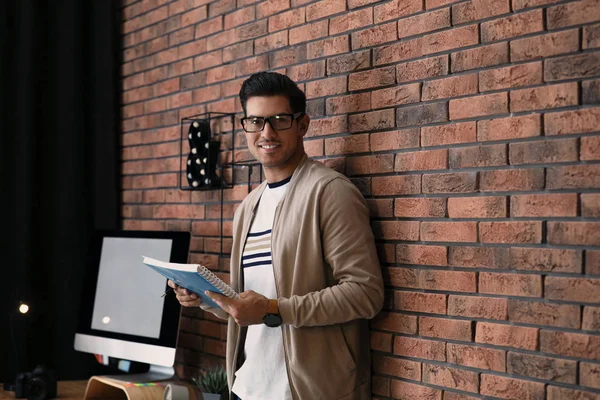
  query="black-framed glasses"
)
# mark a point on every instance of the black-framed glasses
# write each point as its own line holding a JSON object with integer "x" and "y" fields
{"x": 279, "y": 122}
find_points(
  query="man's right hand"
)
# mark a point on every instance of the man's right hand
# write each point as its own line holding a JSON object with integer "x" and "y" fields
{"x": 184, "y": 296}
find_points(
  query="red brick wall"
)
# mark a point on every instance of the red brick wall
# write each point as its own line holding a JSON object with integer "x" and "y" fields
{"x": 472, "y": 128}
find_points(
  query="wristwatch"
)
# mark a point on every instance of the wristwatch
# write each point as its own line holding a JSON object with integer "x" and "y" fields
{"x": 272, "y": 318}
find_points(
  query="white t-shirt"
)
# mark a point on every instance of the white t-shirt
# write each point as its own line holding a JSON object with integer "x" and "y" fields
{"x": 263, "y": 376}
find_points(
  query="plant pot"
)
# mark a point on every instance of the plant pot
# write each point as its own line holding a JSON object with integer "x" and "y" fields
{"x": 212, "y": 396}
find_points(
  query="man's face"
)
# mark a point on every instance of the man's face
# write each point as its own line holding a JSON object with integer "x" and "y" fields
{"x": 275, "y": 148}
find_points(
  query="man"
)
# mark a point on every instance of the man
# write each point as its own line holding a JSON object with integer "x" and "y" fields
{"x": 304, "y": 262}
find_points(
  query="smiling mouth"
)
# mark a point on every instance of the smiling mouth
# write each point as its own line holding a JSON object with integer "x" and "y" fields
{"x": 268, "y": 146}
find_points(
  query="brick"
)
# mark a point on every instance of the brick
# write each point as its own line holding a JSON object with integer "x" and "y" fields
{"x": 364, "y": 165}
{"x": 591, "y": 36}
{"x": 574, "y": 233}
{"x": 521, "y": 4}
{"x": 422, "y": 255}
{"x": 422, "y": 160}
{"x": 270, "y": 42}
{"x": 547, "y": 45}
{"x": 324, "y": 8}
{"x": 429, "y": 4}
{"x": 480, "y": 57}
{"x": 451, "y": 377}
{"x": 590, "y": 91}
{"x": 454, "y": 86}
{"x": 488, "y": 104}
{"x": 569, "y": 67}
{"x": 422, "y": 69}
{"x": 544, "y": 97}
{"x": 554, "y": 260}
{"x": 422, "y": 114}
{"x": 572, "y": 289}
{"x": 478, "y": 156}
{"x": 282, "y": 58}
{"x": 476, "y": 357}
{"x": 209, "y": 27}
{"x": 559, "y": 393}
{"x": 359, "y": 3}
{"x": 478, "y": 307}
{"x": 420, "y": 348}
{"x": 286, "y": 20}
{"x": 328, "y": 126}
{"x": 350, "y": 103}
{"x": 510, "y": 284}
{"x": 453, "y": 281}
{"x": 592, "y": 262}
{"x": 308, "y": 71}
{"x": 457, "y": 396}
{"x": 540, "y": 313}
{"x": 394, "y": 322}
{"x": 350, "y": 21}
{"x": 381, "y": 208}
{"x": 452, "y": 39}
{"x": 445, "y": 328}
{"x": 251, "y": 31}
{"x": 420, "y": 207}
{"x": 372, "y": 78}
{"x": 251, "y": 65}
{"x": 220, "y": 7}
{"x": 420, "y": 302}
{"x": 326, "y": 47}
{"x": 509, "y": 128}
{"x": 510, "y": 77}
{"x": 381, "y": 386}
{"x": 381, "y": 341}
{"x": 398, "y": 51}
{"x": 270, "y": 7}
{"x": 543, "y": 151}
{"x": 376, "y": 35}
{"x": 347, "y": 144}
{"x": 590, "y": 375}
{"x": 575, "y": 13}
{"x": 478, "y": 9}
{"x": 512, "y": 180}
{"x": 570, "y": 122}
{"x": 396, "y": 9}
{"x": 239, "y": 17}
{"x": 478, "y": 257}
{"x": 544, "y": 205}
{"x": 423, "y": 23}
{"x": 590, "y": 205}
{"x": 457, "y": 182}
{"x": 373, "y": 120}
{"x": 396, "y": 230}
{"x": 394, "y": 185}
{"x": 396, "y": 367}
{"x": 410, "y": 391}
{"x": 510, "y": 232}
{"x": 512, "y": 26}
{"x": 507, "y": 335}
{"x": 221, "y": 40}
{"x": 570, "y": 344}
{"x": 396, "y": 95}
{"x": 354, "y": 61}
{"x": 511, "y": 388}
{"x": 477, "y": 207}
{"x": 326, "y": 87}
{"x": 395, "y": 140}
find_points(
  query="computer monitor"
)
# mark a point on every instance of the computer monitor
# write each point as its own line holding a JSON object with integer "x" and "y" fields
{"x": 123, "y": 314}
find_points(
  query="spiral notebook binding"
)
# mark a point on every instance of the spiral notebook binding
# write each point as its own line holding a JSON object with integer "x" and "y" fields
{"x": 217, "y": 282}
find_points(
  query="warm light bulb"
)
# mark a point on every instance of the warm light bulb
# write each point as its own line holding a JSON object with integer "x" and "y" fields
{"x": 106, "y": 320}
{"x": 23, "y": 308}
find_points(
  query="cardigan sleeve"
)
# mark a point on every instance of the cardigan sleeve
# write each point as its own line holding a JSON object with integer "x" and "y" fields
{"x": 349, "y": 249}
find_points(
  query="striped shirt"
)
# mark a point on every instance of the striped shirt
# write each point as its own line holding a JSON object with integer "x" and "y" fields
{"x": 263, "y": 376}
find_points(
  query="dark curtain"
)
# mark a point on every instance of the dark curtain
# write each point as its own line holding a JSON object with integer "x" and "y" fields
{"x": 60, "y": 171}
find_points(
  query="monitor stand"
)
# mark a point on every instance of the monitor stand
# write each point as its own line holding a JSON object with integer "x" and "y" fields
{"x": 155, "y": 373}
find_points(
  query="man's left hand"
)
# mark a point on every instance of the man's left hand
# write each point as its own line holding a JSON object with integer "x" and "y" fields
{"x": 250, "y": 309}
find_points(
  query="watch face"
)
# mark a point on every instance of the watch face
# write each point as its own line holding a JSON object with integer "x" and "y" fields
{"x": 272, "y": 320}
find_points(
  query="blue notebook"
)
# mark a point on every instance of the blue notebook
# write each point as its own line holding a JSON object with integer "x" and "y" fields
{"x": 194, "y": 277}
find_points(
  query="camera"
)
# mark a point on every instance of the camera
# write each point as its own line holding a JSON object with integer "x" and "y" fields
{"x": 40, "y": 384}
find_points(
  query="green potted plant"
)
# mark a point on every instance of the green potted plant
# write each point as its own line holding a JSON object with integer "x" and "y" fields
{"x": 213, "y": 384}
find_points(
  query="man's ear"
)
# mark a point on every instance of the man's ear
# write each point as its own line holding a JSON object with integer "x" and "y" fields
{"x": 303, "y": 124}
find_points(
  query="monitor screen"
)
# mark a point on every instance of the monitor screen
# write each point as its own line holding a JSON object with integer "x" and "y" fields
{"x": 123, "y": 313}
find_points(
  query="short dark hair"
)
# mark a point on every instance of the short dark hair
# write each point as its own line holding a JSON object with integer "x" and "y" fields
{"x": 273, "y": 84}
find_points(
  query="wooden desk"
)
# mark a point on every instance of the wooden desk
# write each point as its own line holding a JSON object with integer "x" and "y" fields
{"x": 67, "y": 390}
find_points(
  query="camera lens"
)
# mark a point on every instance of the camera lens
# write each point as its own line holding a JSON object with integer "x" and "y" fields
{"x": 37, "y": 389}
